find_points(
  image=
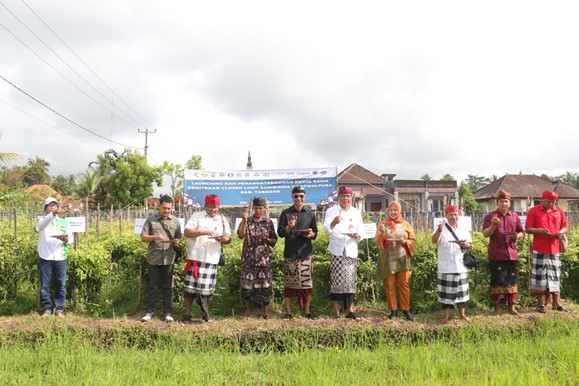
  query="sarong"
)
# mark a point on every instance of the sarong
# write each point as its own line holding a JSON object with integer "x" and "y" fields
{"x": 503, "y": 281}
{"x": 205, "y": 282}
{"x": 452, "y": 288}
{"x": 343, "y": 275}
{"x": 299, "y": 273}
{"x": 545, "y": 274}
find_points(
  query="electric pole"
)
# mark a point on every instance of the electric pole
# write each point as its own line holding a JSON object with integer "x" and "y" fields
{"x": 146, "y": 132}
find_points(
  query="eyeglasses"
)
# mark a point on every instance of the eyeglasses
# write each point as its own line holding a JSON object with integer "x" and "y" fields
{"x": 299, "y": 196}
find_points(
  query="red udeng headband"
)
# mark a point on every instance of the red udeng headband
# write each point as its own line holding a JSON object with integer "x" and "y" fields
{"x": 212, "y": 200}
{"x": 451, "y": 208}
{"x": 550, "y": 195}
{"x": 344, "y": 190}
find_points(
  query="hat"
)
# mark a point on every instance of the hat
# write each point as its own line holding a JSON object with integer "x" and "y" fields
{"x": 345, "y": 190}
{"x": 259, "y": 201}
{"x": 49, "y": 200}
{"x": 451, "y": 208}
{"x": 550, "y": 195}
{"x": 298, "y": 189}
{"x": 212, "y": 199}
{"x": 503, "y": 195}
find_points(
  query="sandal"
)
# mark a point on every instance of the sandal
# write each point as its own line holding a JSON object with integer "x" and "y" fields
{"x": 311, "y": 316}
{"x": 541, "y": 309}
{"x": 353, "y": 316}
{"x": 207, "y": 318}
{"x": 187, "y": 319}
{"x": 287, "y": 317}
{"x": 563, "y": 309}
{"x": 336, "y": 315}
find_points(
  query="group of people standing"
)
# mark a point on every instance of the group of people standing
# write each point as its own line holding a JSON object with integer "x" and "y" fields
{"x": 207, "y": 231}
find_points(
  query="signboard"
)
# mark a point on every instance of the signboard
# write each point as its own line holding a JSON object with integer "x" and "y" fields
{"x": 369, "y": 231}
{"x": 237, "y": 187}
{"x": 76, "y": 224}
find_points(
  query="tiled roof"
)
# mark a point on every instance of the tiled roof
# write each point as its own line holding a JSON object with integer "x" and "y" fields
{"x": 526, "y": 185}
{"x": 356, "y": 174}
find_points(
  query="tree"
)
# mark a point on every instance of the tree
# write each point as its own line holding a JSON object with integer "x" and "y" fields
{"x": 447, "y": 177}
{"x": 570, "y": 179}
{"x": 65, "y": 185}
{"x": 12, "y": 177}
{"x": 88, "y": 185}
{"x": 194, "y": 163}
{"x": 466, "y": 198}
{"x": 477, "y": 182}
{"x": 175, "y": 173}
{"x": 132, "y": 180}
{"x": 426, "y": 177}
{"x": 6, "y": 157}
{"x": 36, "y": 172}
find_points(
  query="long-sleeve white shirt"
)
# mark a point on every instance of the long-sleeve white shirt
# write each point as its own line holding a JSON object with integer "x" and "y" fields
{"x": 49, "y": 247}
{"x": 351, "y": 222}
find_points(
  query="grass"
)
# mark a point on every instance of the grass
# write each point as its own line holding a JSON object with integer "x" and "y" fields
{"x": 543, "y": 351}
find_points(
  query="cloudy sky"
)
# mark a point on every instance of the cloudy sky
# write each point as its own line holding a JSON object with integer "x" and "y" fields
{"x": 409, "y": 88}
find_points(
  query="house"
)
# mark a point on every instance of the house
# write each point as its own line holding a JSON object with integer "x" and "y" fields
{"x": 373, "y": 193}
{"x": 526, "y": 190}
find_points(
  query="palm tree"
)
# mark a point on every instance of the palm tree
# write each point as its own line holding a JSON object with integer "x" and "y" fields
{"x": 88, "y": 185}
{"x": 6, "y": 157}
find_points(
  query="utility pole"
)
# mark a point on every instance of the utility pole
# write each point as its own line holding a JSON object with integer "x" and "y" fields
{"x": 146, "y": 132}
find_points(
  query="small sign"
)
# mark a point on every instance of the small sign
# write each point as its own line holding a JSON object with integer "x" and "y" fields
{"x": 369, "y": 231}
{"x": 76, "y": 224}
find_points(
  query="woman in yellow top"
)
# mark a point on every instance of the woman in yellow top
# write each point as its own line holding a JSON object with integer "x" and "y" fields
{"x": 396, "y": 240}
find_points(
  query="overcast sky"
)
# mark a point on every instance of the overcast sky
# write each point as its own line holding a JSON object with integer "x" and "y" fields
{"x": 404, "y": 87}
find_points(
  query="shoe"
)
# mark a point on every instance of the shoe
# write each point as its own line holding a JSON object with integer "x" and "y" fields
{"x": 541, "y": 309}
{"x": 353, "y": 316}
{"x": 409, "y": 316}
{"x": 148, "y": 316}
{"x": 287, "y": 317}
{"x": 187, "y": 319}
{"x": 336, "y": 315}
{"x": 311, "y": 316}
{"x": 393, "y": 314}
{"x": 563, "y": 309}
{"x": 169, "y": 318}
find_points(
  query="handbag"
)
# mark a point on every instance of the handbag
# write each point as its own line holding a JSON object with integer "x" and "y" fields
{"x": 222, "y": 254}
{"x": 563, "y": 243}
{"x": 469, "y": 259}
{"x": 178, "y": 251}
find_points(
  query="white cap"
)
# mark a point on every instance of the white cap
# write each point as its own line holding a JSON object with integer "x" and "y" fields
{"x": 49, "y": 200}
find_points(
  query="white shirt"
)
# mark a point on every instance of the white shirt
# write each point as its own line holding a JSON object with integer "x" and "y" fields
{"x": 351, "y": 222}
{"x": 205, "y": 248}
{"x": 450, "y": 254}
{"x": 51, "y": 248}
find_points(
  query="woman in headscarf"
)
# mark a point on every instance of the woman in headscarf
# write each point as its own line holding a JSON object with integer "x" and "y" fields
{"x": 259, "y": 237}
{"x": 396, "y": 241}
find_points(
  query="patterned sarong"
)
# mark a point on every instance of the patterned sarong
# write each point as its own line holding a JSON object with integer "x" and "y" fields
{"x": 545, "y": 273}
{"x": 503, "y": 281}
{"x": 452, "y": 288}
{"x": 299, "y": 273}
{"x": 205, "y": 283}
{"x": 343, "y": 275}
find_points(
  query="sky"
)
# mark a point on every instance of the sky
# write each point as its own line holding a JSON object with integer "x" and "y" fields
{"x": 399, "y": 87}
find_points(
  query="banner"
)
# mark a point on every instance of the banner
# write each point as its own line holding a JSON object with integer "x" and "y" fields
{"x": 237, "y": 187}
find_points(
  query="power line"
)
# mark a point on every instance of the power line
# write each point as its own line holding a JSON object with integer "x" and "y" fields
{"x": 62, "y": 116}
{"x": 86, "y": 66}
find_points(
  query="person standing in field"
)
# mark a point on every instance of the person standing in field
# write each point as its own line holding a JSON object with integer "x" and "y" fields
{"x": 297, "y": 224}
{"x": 396, "y": 241}
{"x": 259, "y": 237}
{"x": 547, "y": 223}
{"x": 54, "y": 239}
{"x": 344, "y": 224}
{"x": 207, "y": 231}
{"x": 452, "y": 273}
{"x": 504, "y": 228}
{"x": 162, "y": 232}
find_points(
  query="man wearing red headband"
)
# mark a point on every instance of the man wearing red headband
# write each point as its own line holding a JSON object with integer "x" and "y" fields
{"x": 344, "y": 224}
{"x": 297, "y": 224}
{"x": 453, "y": 290}
{"x": 504, "y": 228}
{"x": 547, "y": 224}
{"x": 207, "y": 232}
